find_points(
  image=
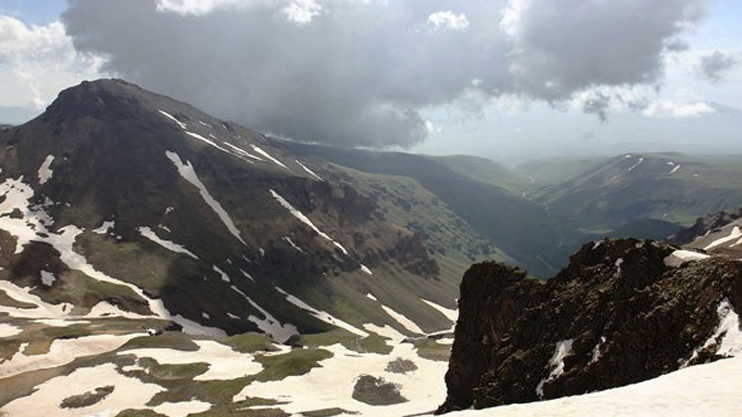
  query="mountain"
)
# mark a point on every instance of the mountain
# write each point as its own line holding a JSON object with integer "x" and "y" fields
{"x": 623, "y": 311}
{"x": 524, "y": 230}
{"x": 132, "y": 198}
{"x": 487, "y": 171}
{"x": 671, "y": 187}
{"x": 155, "y": 259}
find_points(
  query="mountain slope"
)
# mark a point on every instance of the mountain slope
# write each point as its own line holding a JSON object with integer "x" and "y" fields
{"x": 522, "y": 229}
{"x": 190, "y": 208}
{"x": 671, "y": 187}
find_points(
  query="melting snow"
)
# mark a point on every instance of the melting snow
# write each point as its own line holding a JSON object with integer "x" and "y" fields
{"x": 308, "y": 170}
{"x": 679, "y": 257}
{"x": 596, "y": 350}
{"x": 451, "y": 314}
{"x": 270, "y": 326}
{"x": 365, "y": 269}
{"x": 293, "y": 245}
{"x": 45, "y": 172}
{"x": 208, "y": 141}
{"x": 633, "y": 167}
{"x": 371, "y": 297}
{"x": 734, "y": 235}
{"x": 104, "y": 228}
{"x": 270, "y": 158}
{"x": 703, "y": 390}
{"x": 244, "y": 152}
{"x": 331, "y": 384}
{"x": 556, "y": 364}
{"x": 403, "y": 320}
{"x": 170, "y": 116}
{"x": 248, "y": 276}
{"x": 728, "y": 335}
{"x": 221, "y": 273}
{"x": 224, "y": 363}
{"x": 7, "y": 330}
{"x": 150, "y": 234}
{"x": 47, "y": 278}
{"x": 304, "y": 219}
{"x": 189, "y": 174}
{"x": 31, "y": 227}
{"x": 322, "y": 315}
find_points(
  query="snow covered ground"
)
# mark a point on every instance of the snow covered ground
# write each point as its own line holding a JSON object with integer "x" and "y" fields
{"x": 703, "y": 390}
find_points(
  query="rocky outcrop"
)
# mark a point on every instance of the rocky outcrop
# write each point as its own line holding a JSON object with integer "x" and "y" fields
{"x": 705, "y": 225}
{"x": 616, "y": 315}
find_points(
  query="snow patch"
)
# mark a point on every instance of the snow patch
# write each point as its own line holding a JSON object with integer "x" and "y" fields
{"x": 221, "y": 273}
{"x": 371, "y": 297}
{"x": 322, "y": 315}
{"x": 270, "y": 158}
{"x": 703, "y": 390}
{"x": 270, "y": 325}
{"x": 556, "y": 364}
{"x": 365, "y": 269}
{"x": 733, "y": 235}
{"x": 171, "y": 117}
{"x": 47, "y": 278}
{"x": 248, "y": 276}
{"x": 675, "y": 169}
{"x": 224, "y": 363}
{"x": 679, "y": 257}
{"x": 171, "y": 246}
{"x": 304, "y": 219}
{"x": 728, "y": 336}
{"x": 309, "y": 171}
{"x": 633, "y": 167}
{"x": 293, "y": 245}
{"x": 104, "y": 228}
{"x": 189, "y": 174}
{"x": 7, "y": 330}
{"x": 451, "y": 314}
{"x": 45, "y": 172}
{"x": 244, "y": 152}
{"x": 403, "y": 320}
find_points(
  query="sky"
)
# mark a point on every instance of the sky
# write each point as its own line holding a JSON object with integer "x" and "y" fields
{"x": 505, "y": 79}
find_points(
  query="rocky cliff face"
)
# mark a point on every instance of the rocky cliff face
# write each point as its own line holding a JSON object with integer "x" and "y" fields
{"x": 617, "y": 314}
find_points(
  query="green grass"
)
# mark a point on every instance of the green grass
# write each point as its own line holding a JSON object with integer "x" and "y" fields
{"x": 250, "y": 343}
{"x": 87, "y": 399}
{"x": 296, "y": 362}
{"x": 431, "y": 350}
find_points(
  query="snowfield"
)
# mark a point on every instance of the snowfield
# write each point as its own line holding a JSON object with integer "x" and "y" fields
{"x": 711, "y": 390}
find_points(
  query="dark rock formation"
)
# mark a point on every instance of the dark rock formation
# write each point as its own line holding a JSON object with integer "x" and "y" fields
{"x": 615, "y": 315}
{"x": 705, "y": 225}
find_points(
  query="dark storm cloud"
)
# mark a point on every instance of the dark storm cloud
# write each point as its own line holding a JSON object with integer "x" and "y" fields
{"x": 714, "y": 66}
{"x": 360, "y": 72}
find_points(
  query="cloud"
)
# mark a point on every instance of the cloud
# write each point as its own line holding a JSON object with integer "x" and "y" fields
{"x": 38, "y": 61}
{"x": 361, "y": 72}
{"x": 448, "y": 20}
{"x": 677, "y": 109}
{"x": 713, "y": 67}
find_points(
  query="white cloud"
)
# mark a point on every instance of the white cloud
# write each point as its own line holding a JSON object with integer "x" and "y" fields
{"x": 431, "y": 127}
{"x": 302, "y": 12}
{"x": 677, "y": 109}
{"x": 38, "y": 61}
{"x": 448, "y": 20}
{"x": 200, "y": 7}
